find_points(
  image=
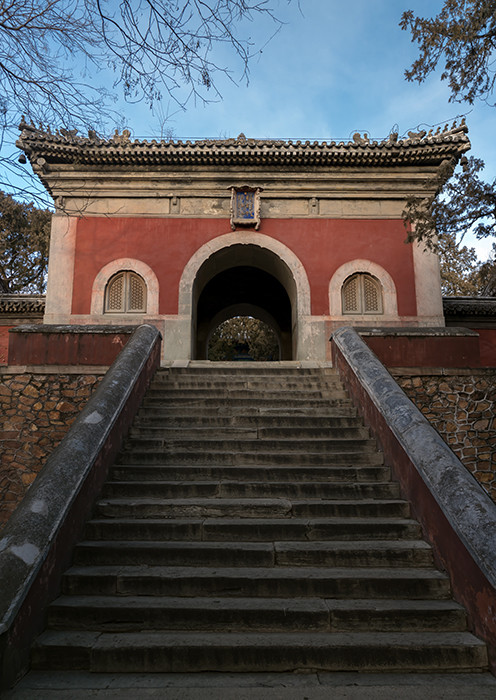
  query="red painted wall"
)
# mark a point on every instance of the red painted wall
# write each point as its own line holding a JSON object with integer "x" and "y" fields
{"x": 487, "y": 342}
{"x": 66, "y": 348}
{"x": 166, "y": 245}
{"x": 428, "y": 351}
{"x": 4, "y": 344}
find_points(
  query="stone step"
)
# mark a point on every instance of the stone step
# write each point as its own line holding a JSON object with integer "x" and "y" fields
{"x": 246, "y": 369}
{"x": 217, "y": 432}
{"x": 221, "y": 489}
{"x": 255, "y": 412}
{"x": 250, "y": 652}
{"x": 250, "y": 524}
{"x": 214, "y": 381}
{"x": 224, "y": 507}
{"x": 333, "y": 553}
{"x": 245, "y": 458}
{"x": 328, "y": 445}
{"x": 252, "y": 529}
{"x": 155, "y": 420}
{"x": 249, "y": 398}
{"x": 260, "y": 384}
{"x": 281, "y": 402}
{"x": 119, "y": 614}
{"x": 304, "y": 443}
{"x": 342, "y": 475}
{"x": 269, "y": 393}
{"x": 275, "y": 582}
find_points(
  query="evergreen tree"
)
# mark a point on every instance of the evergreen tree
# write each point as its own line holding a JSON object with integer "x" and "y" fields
{"x": 24, "y": 241}
{"x": 462, "y": 40}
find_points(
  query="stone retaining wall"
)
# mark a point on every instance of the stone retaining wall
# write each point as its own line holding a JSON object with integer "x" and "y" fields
{"x": 36, "y": 410}
{"x": 460, "y": 404}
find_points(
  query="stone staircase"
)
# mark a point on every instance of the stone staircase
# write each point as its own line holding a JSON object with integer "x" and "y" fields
{"x": 250, "y": 524}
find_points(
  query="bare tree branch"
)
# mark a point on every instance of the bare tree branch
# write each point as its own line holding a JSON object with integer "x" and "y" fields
{"x": 55, "y": 56}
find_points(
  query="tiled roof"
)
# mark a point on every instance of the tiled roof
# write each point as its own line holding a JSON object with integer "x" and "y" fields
{"x": 67, "y": 147}
{"x": 469, "y": 306}
{"x": 22, "y": 303}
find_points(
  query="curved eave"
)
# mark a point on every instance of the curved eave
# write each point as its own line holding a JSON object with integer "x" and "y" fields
{"x": 54, "y": 149}
{"x": 469, "y": 306}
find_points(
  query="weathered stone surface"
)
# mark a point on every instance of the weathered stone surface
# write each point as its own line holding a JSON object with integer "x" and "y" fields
{"x": 461, "y": 407}
{"x": 43, "y": 529}
{"x": 29, "y": 427}
{"x": 284, "y": 564}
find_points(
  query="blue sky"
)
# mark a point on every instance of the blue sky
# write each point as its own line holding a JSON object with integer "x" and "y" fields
{"x": 335, "y": 67}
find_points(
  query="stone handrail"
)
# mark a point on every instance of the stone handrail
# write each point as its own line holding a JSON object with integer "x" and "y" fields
{"x": 457, "y": 516}
{"x": 36, "y": 544}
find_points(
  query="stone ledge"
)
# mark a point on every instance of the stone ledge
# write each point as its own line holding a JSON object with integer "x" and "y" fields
{"x": 48, "y": 329}
{"x": 53, "y": 369}
{"x": 37, "y": 541}
{"x": 442, "y": 371}
{"x": 457, "y": 516}
{"x": 409, "y": 331}
{"x": 470, "y": 511}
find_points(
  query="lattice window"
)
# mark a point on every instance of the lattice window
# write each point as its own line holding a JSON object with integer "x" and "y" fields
{"x": 362, "y": 294}
{"x": 125, "y": 294}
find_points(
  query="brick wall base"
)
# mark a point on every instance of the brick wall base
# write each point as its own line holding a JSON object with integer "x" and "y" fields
{"x": 36, "y": 410}
{"x": 460, "y": 404}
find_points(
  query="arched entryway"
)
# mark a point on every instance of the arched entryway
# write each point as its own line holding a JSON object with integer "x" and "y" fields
{"x": 243, "y": 290}
{"x": 246, "y": 280}
{"x": 243, "y": 274}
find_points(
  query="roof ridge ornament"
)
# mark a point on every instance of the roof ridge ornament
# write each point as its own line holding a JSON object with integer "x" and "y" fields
{"x": 123, "y": 138}
{"x": 416, "y": 136}
{"x": 361, "y": 140}
{"x": 65, "y": 146}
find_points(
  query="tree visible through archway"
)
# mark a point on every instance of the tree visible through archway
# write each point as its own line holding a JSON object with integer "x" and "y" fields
{"x": 243, "y": 338}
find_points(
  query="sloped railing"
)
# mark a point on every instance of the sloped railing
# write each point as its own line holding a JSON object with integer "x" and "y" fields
{"x": 36, "y": 544}
{"x": 457, "y": 516}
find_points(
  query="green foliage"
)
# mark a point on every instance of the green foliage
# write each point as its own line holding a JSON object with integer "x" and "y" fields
{"x": 458, "y": 268}
{"x": 462, "y": 274}
{"x": 463, "y": 37}
{"x": 243, "y": 334}
{"x": 24, "y": 241}
{"x": 464, "y": 202}
{"x": 485, "y": 276}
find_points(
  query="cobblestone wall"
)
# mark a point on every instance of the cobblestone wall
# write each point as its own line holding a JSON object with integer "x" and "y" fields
{"x": 35, "y": 412}
{"x": 461, "y": 406}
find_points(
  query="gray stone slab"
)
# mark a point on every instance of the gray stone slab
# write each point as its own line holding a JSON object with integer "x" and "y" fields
{"x": 249, "y": 686}
{"x": 469, "y": 510}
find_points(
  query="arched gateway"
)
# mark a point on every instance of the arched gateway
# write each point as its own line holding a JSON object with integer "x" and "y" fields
{"x": 305, "y": 236}
{"x": 252, "y": 275}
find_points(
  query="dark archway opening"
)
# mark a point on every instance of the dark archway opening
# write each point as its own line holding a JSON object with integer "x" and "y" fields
{"x": 239, "y": 290}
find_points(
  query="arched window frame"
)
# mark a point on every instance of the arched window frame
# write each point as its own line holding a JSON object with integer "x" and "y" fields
{"x": 114, "y": 267}
{"x": 364, "y": 283}
{"x": 389, "y": 298}
{"x": 132, "y": 293}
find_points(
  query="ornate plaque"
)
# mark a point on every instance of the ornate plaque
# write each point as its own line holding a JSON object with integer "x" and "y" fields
{"x": 245, "y": 206}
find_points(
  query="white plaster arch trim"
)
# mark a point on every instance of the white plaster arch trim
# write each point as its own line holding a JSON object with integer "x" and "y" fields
{"x": 255, "y": 239}
{"x": 141, "y": 268}
{"x": 389, "y": 297}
